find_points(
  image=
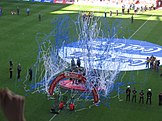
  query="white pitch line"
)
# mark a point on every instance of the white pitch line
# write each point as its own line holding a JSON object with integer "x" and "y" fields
{"x": 140, "y": 27}
{"x": 53, "y": 117}
{"x": 81, "y": 109}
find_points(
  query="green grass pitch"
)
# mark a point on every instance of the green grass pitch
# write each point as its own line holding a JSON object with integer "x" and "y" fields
{"x": 17, "y": 42}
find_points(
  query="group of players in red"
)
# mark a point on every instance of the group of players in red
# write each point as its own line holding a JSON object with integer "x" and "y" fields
{"x": 61, "y": 105}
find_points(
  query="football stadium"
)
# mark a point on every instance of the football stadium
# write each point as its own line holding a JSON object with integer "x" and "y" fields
{"x": 80, "y": 60}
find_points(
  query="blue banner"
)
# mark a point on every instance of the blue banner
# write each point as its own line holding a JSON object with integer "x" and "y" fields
{"x": 36, "y": 0}
{"x": 26, "y": 0}
{"x": 129, "y": 54}
{"x": 49, "y": 1}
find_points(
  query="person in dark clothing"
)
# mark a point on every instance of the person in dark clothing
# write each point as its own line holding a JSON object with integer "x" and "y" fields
{"x": 72, "y": 63}
{"x": 128, "y": 91}
{"x": 78, "y": 62}
{"x": 160, "y": 99}
{"x": 132, "y": 19}
{"x": 128, "y": 10}
{"x": 123, "y": 8}
{"x": 147, "y": 62}
{"x": 30, "y": 74}
{"x": 18, "y": 11}
{"x": 11, "y": 70}
{"x": 52, "y": 110}
{"x": 110, "y": 13}
{"x": 105, "y": 14}
{"x": 18, "y": 71}
{"x": 134, "y": 92}
{"x": 117, "y": 12}
{"x": 157, "y": 64}
{"x": 39, "y": 17}
{"x": 149, "y": 95}
{"x": 11, "y": 63}
{"x": 141, "y": 94}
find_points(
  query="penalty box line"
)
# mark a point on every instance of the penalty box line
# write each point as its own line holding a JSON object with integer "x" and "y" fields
{"x": 140, "y": 27}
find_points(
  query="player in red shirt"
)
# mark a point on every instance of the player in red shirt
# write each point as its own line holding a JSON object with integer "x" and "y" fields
{"x": 61, "y": 105}
{"x": 71, "y": 106}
